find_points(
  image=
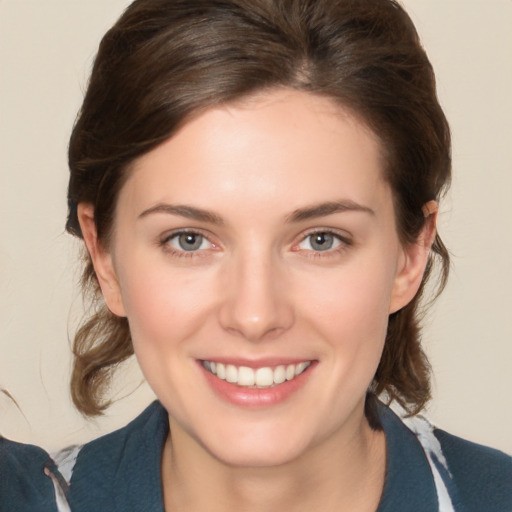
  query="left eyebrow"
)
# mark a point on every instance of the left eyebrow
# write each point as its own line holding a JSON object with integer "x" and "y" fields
{"x": 328, "y": 208}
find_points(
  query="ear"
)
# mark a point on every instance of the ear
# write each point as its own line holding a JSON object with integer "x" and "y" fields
{"x": 413, "y": 261}
{"x": 101, "y": 260}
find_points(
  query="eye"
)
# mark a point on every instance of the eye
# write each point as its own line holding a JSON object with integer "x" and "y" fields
{"x": 320, "y": 241}
{"x": 188, "y": 241}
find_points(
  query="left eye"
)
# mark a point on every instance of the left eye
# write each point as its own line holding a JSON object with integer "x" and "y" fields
{"x": 189, "y": 242}
{"x": 321, "y": 241}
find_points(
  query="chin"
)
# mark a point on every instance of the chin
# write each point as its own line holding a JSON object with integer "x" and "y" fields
{"x": 265, "y": 446}
{"x": 256, "y": 456}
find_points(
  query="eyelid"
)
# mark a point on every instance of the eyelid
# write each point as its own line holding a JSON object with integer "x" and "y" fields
{"x": 164, "y": 239}
{"x": 343, "y": 236}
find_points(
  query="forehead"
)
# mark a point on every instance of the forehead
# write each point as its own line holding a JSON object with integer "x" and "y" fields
{"x": 280, "y": 147}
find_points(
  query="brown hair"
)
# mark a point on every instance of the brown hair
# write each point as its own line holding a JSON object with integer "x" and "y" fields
{"x": 166, "y": 60}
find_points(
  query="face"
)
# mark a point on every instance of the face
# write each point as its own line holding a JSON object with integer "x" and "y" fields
{"x": 256, "y": 257}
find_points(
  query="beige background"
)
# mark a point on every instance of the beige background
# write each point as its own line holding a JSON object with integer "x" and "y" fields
{"x": 45, "y": 54}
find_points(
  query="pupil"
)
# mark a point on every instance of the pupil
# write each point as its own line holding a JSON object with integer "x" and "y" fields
{"x": 190, "y": 241}
{"x": 322, "y": 241}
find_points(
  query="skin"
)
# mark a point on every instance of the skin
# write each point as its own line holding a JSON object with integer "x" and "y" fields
{"x": 257, "y": 288}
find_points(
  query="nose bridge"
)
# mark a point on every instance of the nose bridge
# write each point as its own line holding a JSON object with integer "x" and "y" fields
{"x": 256, "y": 305}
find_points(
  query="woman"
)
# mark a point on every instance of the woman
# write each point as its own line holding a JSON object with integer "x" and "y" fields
{"x": 257, "y": 185}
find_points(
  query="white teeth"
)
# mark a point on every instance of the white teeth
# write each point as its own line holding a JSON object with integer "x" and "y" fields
{"x": 231, "y": 373}
{"x": 301, "y": 367}
{"x": 221, "y": 371}
{"x": 279, "y": 375}
{"x": 246, "y": 376}
{"x": 264, "y": 377}
{"x": 261, "y": 377}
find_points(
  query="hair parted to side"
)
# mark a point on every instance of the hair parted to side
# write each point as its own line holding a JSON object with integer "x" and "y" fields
{"x": 167, "y": 60}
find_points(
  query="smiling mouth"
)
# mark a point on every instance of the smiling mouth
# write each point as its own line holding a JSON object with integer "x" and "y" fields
{"x": 255, "y": 378}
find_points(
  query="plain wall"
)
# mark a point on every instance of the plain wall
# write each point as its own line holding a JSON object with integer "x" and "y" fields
{"x": 46, "y": 49}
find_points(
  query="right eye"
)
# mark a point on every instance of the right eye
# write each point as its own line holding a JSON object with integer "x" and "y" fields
{"x": 188, "y": 241}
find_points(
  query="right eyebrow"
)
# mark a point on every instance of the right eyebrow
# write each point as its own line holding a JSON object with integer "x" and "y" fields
{"x": 189, "y": 212}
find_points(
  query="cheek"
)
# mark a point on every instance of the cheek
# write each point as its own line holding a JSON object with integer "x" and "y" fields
{"x": 163, "y": 305}
{"x": 166, "y": 311}
{"x": 356, "y": 298}
{"x": 350, "y": 312}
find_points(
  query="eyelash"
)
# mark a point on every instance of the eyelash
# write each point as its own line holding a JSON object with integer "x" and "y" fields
{"x": 165, "y": 243}
{"x": 344, "y": 243}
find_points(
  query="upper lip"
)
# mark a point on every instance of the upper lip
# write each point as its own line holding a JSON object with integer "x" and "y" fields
{"x": 257, "y": 363}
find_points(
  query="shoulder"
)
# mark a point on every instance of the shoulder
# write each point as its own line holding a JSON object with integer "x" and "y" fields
{"x": 482, "y": 475}
{"x": 25, "y": 482}
{"x": 114, "y": 471}
{"x": 465, "y": 476}
{"x": 109, "y": 450}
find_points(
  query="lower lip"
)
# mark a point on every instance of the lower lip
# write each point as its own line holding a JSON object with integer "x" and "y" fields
{"x": 256, "y": 398}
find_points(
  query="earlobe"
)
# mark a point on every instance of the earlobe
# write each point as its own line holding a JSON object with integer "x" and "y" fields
{"x": 101, "y": 259}
{"x": 414, "y": 260}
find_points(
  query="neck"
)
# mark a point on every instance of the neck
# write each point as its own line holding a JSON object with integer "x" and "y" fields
{"x": 336, "y": 475}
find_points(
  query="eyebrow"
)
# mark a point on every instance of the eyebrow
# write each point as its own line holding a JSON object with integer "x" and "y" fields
{"x": 301, "y": 214}
{"x": 328, "y": 208}
{"x": 189, "y": 212}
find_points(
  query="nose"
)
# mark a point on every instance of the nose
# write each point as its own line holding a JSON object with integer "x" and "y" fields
{"x": 255, "y": 304}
